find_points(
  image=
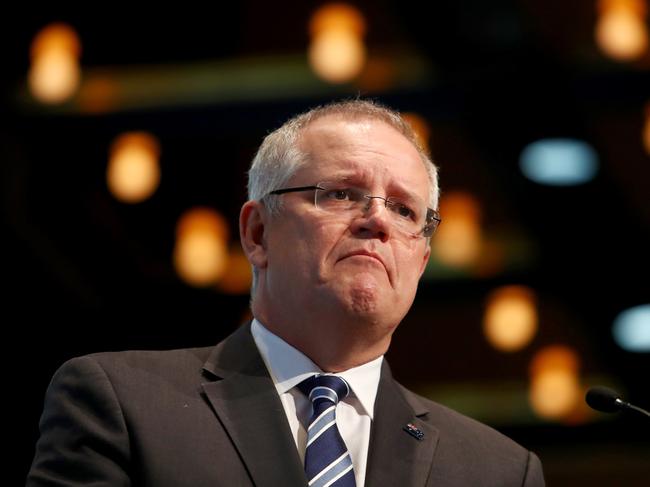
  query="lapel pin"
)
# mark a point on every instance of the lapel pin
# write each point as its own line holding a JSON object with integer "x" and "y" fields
{"x": 413, "y": 430}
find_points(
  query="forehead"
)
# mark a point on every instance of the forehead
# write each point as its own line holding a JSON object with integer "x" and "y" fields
{"x": 369, "y": 150}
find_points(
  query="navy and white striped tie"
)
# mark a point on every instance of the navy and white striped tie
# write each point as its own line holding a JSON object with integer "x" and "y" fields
{"x": 327, "y": 461}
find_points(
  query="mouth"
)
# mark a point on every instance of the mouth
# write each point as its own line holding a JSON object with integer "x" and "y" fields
{"x": 366, "y": 254}
{"x": 371, "y": 256}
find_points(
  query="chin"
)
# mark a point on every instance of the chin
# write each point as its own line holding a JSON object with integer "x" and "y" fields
{"x": 364, "y": 296}
{"x": 364, "y": 301}
{"x": 369, "y": 304}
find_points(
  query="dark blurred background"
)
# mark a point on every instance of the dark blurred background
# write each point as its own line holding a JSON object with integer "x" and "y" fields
{"x": 89, "y": 271}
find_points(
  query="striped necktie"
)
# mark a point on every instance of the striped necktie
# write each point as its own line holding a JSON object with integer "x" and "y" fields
{"x": 327, "y": 461}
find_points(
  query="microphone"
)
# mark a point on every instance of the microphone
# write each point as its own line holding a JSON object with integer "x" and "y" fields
{"x": 608, "y": 400}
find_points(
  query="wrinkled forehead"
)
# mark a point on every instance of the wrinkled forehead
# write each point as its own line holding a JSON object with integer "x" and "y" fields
{"x": 365, "y": 152}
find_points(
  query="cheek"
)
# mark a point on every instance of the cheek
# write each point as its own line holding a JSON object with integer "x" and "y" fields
{"x": 309, "y": 252}
{"x": 323, "y": 250}
{"x": 409, "y": 266}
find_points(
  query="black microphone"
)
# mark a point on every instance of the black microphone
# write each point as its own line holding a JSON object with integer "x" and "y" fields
{"x": 607, "y": 400}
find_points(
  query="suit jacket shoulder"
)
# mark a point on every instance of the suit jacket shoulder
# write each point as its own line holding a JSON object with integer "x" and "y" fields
{"x": 192, "y": 417}
{"x": 471, "y": 453}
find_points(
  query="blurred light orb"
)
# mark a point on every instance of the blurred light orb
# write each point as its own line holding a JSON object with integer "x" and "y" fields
{"x": 458, "y": 241}
{"x": 54, "y": 74}
{"x": 203, "y": 220}
{"x": 555, "y": 394}
{"x": 559, "y": 162}
{"x": 337, "y": 56}
{"x": 201, "y": 253}
{"x": 57, "y": 36}
{"x": 621, "y": 31}
{"x": 337, "y": 17}
{"x": 631, "y": 329}
{"x": 200, "y": 259}
{"x": 510, "y": 320}
{"x": 336, "y": 52}
{"x": 554, "y": 357}
{"x": 133, "y": 172}
{"x": 554, "y": 390}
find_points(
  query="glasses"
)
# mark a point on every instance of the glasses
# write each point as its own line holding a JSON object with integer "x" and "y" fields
{"x": 409, "y": 214}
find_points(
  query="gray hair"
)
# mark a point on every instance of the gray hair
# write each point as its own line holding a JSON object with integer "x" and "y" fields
{"x": 279, "y": 157}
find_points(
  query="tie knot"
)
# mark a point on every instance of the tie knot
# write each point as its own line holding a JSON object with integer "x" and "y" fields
{"x": 330, "y": 388}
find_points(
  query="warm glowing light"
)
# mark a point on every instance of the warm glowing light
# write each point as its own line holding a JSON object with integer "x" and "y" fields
{"x": 133, "y": 172}
{"x": 200, "y": 259}
{"x": 555, "y": 357}
{"x": 510, "y": 320}
{"x": 54, "y": 73}
{"x": 237, "y": 277}
{"x": 420, "y": 127}
{"x": 201, "y": 253}
{"x": 58, "y": 37}
{"x": 337, "y": 17}
{"x": 337, "y": 56}
{"x": 203, "y": 220}
{"x": 621, "y": 30}
{"x": 646, "y": 129}
{"x": 336, "y": 52}
{"x": 458, "y": 242}
{"x": 555, "y": 394}
{"x": 555, "y": 390}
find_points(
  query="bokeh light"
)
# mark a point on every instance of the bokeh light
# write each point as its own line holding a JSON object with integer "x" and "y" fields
{"x": 458, "y": 242}
{"x": 337, "y": 53}
{"x": 621, "y": 31}
{"x": 554, "y": 391}
{"x": 510, "y": 320}
{"x": 337, "y": 17}
{"x": 631, "y": 329}
{"x": 54, "y": 72}
{"x": 133, "y": 172}
{"x": 559, "y": 162}
{"x": 201, "y": 251}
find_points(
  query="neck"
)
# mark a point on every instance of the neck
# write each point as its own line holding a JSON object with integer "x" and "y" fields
{"x": 332, "y": 345}
{"x": 332, "y": 357}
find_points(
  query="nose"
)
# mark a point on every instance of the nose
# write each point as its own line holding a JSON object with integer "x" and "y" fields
{"x": 374, "y": 222}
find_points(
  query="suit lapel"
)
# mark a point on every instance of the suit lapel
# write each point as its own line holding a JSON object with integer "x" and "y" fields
{"x": 396, "y": 457}
{"x": 247, "y": 404}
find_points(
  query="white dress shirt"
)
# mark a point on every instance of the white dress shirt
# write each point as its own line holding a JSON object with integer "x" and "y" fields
{"x": 288, "y": 367}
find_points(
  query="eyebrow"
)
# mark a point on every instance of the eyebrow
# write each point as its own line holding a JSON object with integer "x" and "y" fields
{"x": 398, "y": 190}
{"x": 347, "y": 176}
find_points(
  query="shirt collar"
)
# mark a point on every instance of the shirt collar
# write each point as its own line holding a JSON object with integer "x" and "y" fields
{"x": 288, "y": 367}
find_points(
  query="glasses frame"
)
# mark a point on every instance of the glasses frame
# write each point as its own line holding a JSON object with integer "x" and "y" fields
{"x": 432, "y": 218}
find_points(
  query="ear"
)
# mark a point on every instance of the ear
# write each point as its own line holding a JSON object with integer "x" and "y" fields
{"x": 425, "y": 258}
{"x": 251, "y": 233}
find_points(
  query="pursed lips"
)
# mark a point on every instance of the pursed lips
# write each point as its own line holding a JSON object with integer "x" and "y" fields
{"x": 366, "y": 253}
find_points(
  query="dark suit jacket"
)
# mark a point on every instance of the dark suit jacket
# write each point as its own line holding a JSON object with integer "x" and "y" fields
{"x": 212, "y": 417}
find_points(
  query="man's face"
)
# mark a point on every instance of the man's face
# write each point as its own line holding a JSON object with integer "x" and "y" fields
{"x": 336, "y": 268}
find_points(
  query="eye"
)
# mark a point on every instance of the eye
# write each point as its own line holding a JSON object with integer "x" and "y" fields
{"x": 404, "y": 211}
{"x": 338, "y": 194}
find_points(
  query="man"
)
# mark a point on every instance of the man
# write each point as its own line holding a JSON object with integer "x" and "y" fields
{"x": 342, "y": 205}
